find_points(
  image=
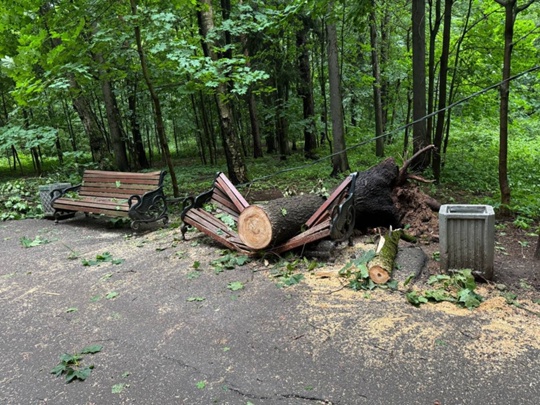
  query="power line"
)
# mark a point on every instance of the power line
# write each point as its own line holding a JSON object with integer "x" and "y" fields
{"x": 398, "y": 129}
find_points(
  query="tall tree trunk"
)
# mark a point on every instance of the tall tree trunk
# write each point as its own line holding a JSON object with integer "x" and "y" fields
{"x": 305, "y": 89}
{"x": 252, "y": 106}
{"x": 420, "y": 135}
{"x": 511, "y": 10}
{"x": 139, "y": 153}
{"x": 443, "y": 79}
{"x": 377, "y": 96}
{"x": 281, "y": 123}
{"x": 114, "y": 120}
{"x": 89, "y": 120}
{"x": 71, "y": 132}
{"x": 454, "y": 81}
{"x": 236, "y": 166}
{"x": 254, "y": 124}
{"x": 157, "y": 105}
{"x": 435, "y": 24}
{"x": 340, "y": 163}
{"x": 322, "y": 84}
{"x": 384, "y": 48}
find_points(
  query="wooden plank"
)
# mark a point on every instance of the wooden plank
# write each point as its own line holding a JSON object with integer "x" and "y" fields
{"x": 95, "y": 210}
{"x": 121, "y": 175}
{"x": 311, "y": 235}
{"x": 124, "y": 186}
{"x": 223, "y": 198}
{"x": 89, "y": 206}
{"x": 335, "y": 195}
{"x": 224, "y": 183}
{"x": 117, "y": 193}
{"x": 205, "y": 223}
{"x": 216, "y": 224}
{"x": 225, "y": 207}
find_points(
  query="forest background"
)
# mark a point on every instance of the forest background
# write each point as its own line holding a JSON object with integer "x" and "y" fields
{"x": 274, "y": 93}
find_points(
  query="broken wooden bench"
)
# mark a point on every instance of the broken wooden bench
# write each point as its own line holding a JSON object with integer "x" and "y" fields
{"x": 138, "y": 196}
{"x": 217, "y": 212}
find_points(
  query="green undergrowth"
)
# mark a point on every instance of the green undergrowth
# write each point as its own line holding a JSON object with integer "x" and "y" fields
{"x": 469, "y": 175}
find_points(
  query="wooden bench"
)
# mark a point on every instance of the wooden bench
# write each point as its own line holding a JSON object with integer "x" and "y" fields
{"x": 216, "y": 213}
{"x": 138, "y": 196}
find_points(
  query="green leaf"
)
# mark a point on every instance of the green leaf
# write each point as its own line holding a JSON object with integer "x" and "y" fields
{"x": 92, "y": 349}
{"x": 118, "y": 388}
{"x": 408, "y": 280}
{"x": 83, "y": 373}
{"x": 201, "y": 385}
{"x": 59, "y": 369}
{"x": 112, "y": 295}
{"x": 415, "y": 298}
{"x": 28, "y": 243}
{"x": 118, "y": 184}
{"x": 235, "y": 286}
{"x": 292, "y": 280}
{"x": 193, "y": 275}
{"x": 195, "y": 299}
{"x": 72, "y": 309}
{"x": 196, "y": 264}
{"x": 469, "y": 298}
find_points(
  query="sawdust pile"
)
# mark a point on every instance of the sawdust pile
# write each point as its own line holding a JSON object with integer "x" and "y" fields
{"x": 377, "y": 325}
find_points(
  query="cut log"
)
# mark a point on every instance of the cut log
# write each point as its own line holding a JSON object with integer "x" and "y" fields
{"x": 267, "y": 225}
{"x": 381, "y": 267}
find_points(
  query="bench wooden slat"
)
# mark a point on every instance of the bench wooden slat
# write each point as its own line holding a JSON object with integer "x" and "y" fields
{"x": 90, "y": 204}
{"x": 211, "y": 226}
{"x": 319, "y": 231}
{"x": 119, "y": 176}
{"x": 125, "y": 194}
{"x": 225, "y": 184}
{"x": 325, "y": 207}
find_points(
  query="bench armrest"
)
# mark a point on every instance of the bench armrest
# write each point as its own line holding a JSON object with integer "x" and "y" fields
{"x": 151, "y": 206}
{"x": 60, "y": 192}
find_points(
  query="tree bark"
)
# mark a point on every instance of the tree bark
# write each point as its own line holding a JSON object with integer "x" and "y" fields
{"x": 340, "y": 163}
{"x": 237, "y": 170}
{"x": 160, "y": 126}
{"x": 115, "y": 129}
{"x": 139, "y": 153}
{"x": 377, "y": 95}
{"x": 81, "y": 104}
{"x": 268, "y": 225}
{"x": 443, "y": 79}
{"x": 381, "y": 267}
{"x": 434, "y": 26}
{"x": 373, "y": 197}
{"x": 504, "y": 184}
{"x": 420, "y": 135}
{"x": 305, "y": 89}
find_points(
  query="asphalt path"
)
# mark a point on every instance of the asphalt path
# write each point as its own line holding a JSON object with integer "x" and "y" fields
{"x": 173, "y": 330}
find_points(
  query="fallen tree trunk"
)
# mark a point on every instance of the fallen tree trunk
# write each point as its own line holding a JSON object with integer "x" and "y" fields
{"x": 267, "y": 225}
{"x": 380, "y": 268}
{"x": 373, "y": 197}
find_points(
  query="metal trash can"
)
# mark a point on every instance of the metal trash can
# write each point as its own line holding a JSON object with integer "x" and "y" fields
{"x": 467, "y": 238}
{"x": 45, "y": 196}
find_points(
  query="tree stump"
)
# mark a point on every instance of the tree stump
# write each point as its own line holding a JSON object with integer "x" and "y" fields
{"x": 268, "y": 225}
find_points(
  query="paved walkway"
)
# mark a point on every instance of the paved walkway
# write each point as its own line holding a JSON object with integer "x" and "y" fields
{"x": 175, "y": 335}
